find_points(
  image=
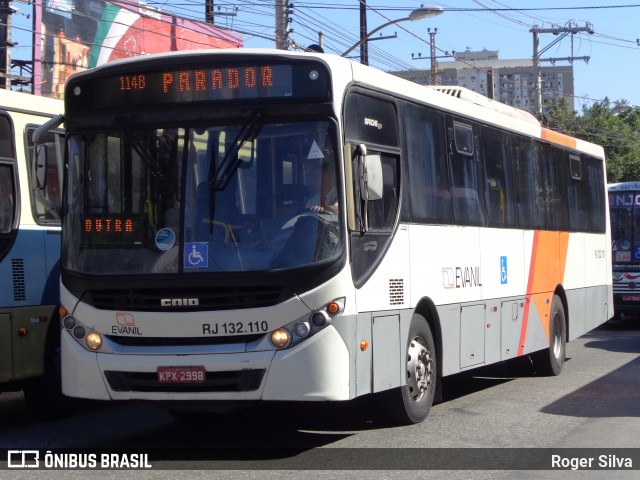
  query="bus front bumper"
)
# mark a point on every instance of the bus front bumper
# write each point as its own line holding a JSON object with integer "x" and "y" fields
{"x": 315, "y": 370}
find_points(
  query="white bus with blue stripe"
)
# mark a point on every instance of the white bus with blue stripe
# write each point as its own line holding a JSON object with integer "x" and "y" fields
{"x": 30, "y": 196}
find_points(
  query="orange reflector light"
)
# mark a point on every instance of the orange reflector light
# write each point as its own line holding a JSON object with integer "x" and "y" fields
{"x": 62, "y": 311}
{"x": 333, "y": 308}
{"x": 23, "y": 332}
{"x": 364, "y": 345}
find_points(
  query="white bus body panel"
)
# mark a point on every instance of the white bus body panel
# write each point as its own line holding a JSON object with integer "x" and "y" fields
{"x": 314, "y": 370}
{"x": 320, "y": 368}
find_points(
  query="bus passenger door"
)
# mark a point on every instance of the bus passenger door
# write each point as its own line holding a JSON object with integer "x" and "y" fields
{"x": 9, "y": 195}
{"x": 45, "y": 166}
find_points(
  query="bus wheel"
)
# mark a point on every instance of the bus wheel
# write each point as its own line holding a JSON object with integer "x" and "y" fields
{"x": 551, "y": 360}
{"x": 411, "y": 402}
{"x": 43, "y": 395}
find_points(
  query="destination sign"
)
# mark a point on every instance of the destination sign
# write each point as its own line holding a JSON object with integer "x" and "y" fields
{"x": 624, "y": 199}
{"x": 113, "y": 230}
{"x": 196, "y": 83}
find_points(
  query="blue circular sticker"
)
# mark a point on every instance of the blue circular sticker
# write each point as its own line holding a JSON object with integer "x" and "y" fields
{"x": 165, "y": 239}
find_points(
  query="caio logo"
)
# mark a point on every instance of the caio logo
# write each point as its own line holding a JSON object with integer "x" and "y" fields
{"x": 179, "y": 302}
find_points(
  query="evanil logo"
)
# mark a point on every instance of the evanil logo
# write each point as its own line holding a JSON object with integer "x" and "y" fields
{"x": 370, "y": 122}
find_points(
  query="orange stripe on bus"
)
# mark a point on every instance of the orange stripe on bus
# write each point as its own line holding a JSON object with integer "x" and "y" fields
{"x": 527, "y": 306}
{"x": 546, "y": 271}
{"x": 559, "y": 138}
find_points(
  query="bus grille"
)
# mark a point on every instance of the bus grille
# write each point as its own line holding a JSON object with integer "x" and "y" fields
{"x": 235, "y": 381}
{"x": 19, "y": 286}
{"x": 136, "y": 341}
{"x": 209, "y": 298}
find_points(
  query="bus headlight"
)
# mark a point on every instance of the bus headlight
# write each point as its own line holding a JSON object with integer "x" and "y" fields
{"x": 93, "y": 340}
{"x": 69, "y": 322}
{"x": 78, "y": 332}
{"x": 320, "y": 319}
{"x": 301, "y": 329}
{"x": 308, "y": 325}
{"x": 280, "y": 338}
{"x": 85, "y": 336}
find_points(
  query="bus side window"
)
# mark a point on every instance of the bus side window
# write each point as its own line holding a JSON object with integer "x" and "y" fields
{"x": 578, "y": 196}
{"x": 595, "y": 188}
{"x": 382, "y": 212}
{"x": 466, "y": 176}
{"x": 8, "y": 187}
{"x": 556, "y": 178}
{"x": 496, "y": 153}
{"x": 7, "y": 198}
{"x": 528, "y": 177}
{"x": 427, "y": 166}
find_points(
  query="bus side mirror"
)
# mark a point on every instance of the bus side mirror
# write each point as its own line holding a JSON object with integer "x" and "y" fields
{"x": 371, "y": 177}
{"x": 41, "y": 166}
{"x": 370, "y": 182}
{"x": 40, "y": 188}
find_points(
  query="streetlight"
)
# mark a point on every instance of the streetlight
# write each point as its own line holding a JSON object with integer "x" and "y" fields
{"x": 417, "y": 14}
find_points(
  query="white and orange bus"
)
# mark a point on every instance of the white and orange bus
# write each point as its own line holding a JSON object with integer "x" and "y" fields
{"x": 266, "y": 225}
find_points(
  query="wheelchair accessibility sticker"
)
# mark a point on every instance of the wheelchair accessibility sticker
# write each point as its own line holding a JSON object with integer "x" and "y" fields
{"x": 196, "y": 255}
{"x": 504, "y": 279}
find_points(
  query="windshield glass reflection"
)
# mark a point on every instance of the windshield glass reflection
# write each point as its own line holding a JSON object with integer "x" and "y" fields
{"x": 249, "y": 197}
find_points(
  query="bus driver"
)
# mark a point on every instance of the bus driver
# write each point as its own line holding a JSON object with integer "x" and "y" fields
{"x": 325, "y": 200}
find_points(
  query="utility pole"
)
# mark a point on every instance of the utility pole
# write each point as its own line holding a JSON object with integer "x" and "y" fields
{"x": 364, "y": 47}
{"x": 433, "y": 80}
{"x": 208, "y": 12}
{"x": 434, "y": 63}
{"x": 282, "y": 24}
{"x": 5, "y": 44}
{"x": 571, "y": 30}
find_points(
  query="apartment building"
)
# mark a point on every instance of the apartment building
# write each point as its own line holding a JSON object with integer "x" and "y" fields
{"x": 511, "y": 82}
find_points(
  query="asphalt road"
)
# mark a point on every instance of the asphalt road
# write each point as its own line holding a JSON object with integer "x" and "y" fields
{"x": 594, "y": 404}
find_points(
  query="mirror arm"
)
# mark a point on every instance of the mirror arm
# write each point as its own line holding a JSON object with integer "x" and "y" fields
{"x": 52, "y": 124}
{"x": 364, "y": 193}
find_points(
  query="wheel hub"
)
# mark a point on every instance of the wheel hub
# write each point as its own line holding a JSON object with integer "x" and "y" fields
{"x": 419, "y": 369}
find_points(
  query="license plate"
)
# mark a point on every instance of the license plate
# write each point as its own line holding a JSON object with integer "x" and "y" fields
{"x": 181, "y": 374}
{"x": 631, "y": 298}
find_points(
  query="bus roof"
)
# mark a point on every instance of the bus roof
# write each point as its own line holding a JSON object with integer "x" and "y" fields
{"x": 616, "y": 187}
{"x": 28, "y": 103}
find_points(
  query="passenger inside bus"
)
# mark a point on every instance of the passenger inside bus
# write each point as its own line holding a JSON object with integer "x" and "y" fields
{"x": 322, "y": 180}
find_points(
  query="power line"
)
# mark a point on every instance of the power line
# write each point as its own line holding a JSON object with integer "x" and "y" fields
{"x": 309, "y": 19}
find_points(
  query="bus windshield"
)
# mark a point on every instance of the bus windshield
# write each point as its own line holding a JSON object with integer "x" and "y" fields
{"x": 169, "y": 199}
{"x": 625, "y": 226}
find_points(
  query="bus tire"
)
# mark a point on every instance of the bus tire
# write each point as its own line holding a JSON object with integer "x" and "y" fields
{"x": 550, "y": 361}
{"x": 43, "y": 395}
{"x": 410, "y": 403}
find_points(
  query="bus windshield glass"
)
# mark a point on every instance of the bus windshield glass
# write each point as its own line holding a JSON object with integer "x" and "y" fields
{"x": 174, "y": 199}
{"x": 625, "y": 226}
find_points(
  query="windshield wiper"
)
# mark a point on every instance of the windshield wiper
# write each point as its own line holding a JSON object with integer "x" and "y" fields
{"x": 220, "y": 177}
{"x": 138, "y": 146}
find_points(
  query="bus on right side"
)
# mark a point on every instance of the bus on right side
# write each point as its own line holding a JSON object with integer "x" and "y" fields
{"x": 624, "y": 205}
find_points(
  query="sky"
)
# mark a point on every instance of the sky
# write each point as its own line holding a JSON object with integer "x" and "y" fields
{"x": 503, "y": 26}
